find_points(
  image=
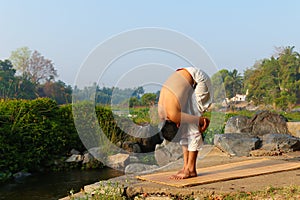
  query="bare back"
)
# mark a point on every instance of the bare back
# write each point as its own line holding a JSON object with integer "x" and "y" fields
{"x": 174, "y": 94}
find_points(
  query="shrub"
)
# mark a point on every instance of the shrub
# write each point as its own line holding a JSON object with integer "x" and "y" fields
{"x": 34, "y": 132}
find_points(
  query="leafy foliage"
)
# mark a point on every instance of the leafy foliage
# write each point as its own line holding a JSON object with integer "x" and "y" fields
{"x": 33, "y": 133}
{"x": 57, "y": 91}
{"x": 226, "y": 84}
{"x": 275, "y": 81}
{"x": 22, "y": 87}
{"x": 12, "y": 86}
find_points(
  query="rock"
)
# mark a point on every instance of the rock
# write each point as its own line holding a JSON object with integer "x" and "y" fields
{"x": 146, "y": 131}
{"x": 167, "y": 152}
{"x": 266, "y": 122}
{"x": 74, "y": 151}
{"x": 98, "y": 153}
{"x": 119, "y": 144}
{"x": 236, "y": 124}
{"x": 272, "y": 128}
{"x": 20, "y": 175}
{"x": 281, "y": 142}
{"x": 87, "y": 158}
{"x": 118, "y": 161}
{"x": 236, "y": 144}
{"x": 75, "y": 158}
{"x": 295, "y": 110}
{"x": 294, "y": 128}
{"x": 134, "y": 159}
{"x": 139, "y": 167}
{"x": 263, "y": 152}
{"x": 132, "y": 147}
{"x": 147, "y": 136}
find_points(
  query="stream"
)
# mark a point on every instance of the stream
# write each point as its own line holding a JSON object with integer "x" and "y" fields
{"x": 53, "y": 185}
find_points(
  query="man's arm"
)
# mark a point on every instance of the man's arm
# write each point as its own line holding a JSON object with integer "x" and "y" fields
{"x": 202, "y": 122}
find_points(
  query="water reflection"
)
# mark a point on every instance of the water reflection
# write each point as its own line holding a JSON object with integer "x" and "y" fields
{"x": 53, "y": 185}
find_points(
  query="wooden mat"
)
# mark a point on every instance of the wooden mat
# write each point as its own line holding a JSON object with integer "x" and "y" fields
{"x": 224, "y": 172}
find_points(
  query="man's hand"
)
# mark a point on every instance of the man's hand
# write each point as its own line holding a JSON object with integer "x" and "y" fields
{"x": 203, "y": 124}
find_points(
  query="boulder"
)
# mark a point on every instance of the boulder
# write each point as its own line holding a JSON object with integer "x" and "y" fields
{"x": 98, "y": 153}
{"x": 266, "y": 130}
{"x": 266, "y": 122}
{"x": 139, "y": 167}
{"x": 236, "y": 144}
{"x": 75, "y": 158}
{"x": 294, "y": 128}
{"x": 87, "y": 158}
{"x": 74, "y": 151}
{"x": 118, "y": 161}
{"x": 236, "y": 124}
{"x": 20, "y": 175}
{"x": 167, "y": 152}
{"x": 134, "y": 159}
{"x": 147, "y": 136}
{"x": 280, "y": 142}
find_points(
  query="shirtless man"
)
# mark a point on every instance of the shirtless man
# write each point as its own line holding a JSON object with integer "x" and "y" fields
{"x": 184, "y": 90}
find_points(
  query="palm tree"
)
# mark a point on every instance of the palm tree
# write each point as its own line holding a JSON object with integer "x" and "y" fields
{"x": 233, "y": 83}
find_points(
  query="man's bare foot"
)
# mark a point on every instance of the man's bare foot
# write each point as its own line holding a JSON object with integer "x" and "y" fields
{"x": 179, "y": 172}
{"x": 183, "y": 175}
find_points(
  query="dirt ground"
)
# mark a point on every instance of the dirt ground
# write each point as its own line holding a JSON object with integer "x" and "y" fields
{"x": 217, "y": 157}
{"x": 213, "y": 156}
{"x": 278, "y": 179}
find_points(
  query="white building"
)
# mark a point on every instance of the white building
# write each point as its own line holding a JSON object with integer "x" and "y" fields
{"x": 238, "y": 97}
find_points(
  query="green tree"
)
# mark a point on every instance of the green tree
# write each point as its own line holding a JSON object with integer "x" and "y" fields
{"x": 218, "y": 85}
{"x": 134, "y": 101}
{"x": 275, "y": 81}
{"x": 227, "y": 83}
{"x": 7, "y": 79}
{"x": 148, "y": 99}
{"x": 25, "y": 88}
{"x": 57, "y": 91}
{"x": 289, "y": 61}
{"x": 12, "y": 86}
{"x": 138, "y": 92}
{"x": 233, "y": 83}
{"x": 262, "y": 82}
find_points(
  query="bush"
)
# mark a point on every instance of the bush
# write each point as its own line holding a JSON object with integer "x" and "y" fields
{"x": 33, "y": 133}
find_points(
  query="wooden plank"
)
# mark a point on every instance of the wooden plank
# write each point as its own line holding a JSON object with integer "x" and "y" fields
{"x": 224, "y": 172}
{"x": 214, "y": 169}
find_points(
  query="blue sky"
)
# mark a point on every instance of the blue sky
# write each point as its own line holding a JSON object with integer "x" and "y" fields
{"x": 235, "y": 33}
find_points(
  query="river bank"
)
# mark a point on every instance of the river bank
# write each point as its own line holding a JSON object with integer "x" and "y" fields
{"x": 132, "y": 187}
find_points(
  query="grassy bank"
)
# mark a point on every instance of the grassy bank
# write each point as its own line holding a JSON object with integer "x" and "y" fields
{"x": 36, "y": 134}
